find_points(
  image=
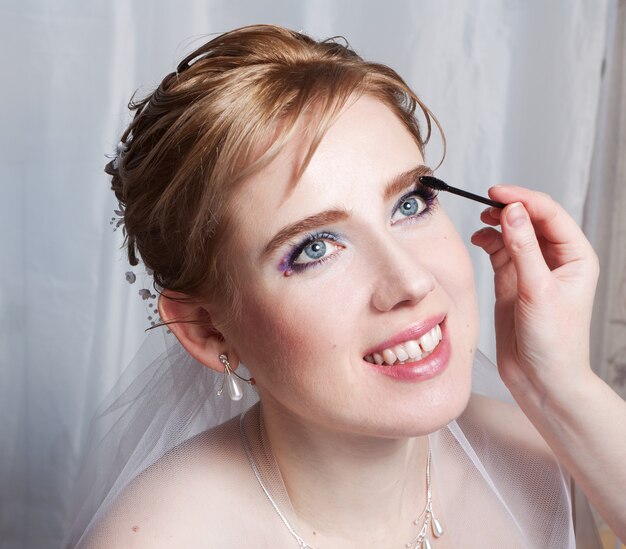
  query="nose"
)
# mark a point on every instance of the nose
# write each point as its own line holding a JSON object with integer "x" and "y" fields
{"x": 403, "y": 279}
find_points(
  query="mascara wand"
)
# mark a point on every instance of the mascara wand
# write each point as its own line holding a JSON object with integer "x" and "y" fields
{"x": 439, "y": 185}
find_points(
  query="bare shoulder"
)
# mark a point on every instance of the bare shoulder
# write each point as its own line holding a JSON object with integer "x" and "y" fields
{"x": 182, "y": 497}
{"x": 506, "y": 425}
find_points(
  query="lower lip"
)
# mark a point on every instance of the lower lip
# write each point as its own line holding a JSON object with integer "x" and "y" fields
{"x": 420, "y": 370}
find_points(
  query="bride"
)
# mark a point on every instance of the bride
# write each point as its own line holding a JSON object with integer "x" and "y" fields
{"x": 271, "y": 184}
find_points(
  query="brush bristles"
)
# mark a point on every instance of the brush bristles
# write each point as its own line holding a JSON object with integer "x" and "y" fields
{"x": 433, "y": 182}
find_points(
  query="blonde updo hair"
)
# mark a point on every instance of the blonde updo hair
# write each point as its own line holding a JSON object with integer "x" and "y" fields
{"x": 227, "y": 111}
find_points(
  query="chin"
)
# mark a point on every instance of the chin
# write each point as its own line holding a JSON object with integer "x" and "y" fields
{"x": 436, "y": 406}
{"x": 450, "y": 410}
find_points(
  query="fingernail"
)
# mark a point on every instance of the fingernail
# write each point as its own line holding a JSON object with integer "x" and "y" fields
{"x": 516, "y": 215}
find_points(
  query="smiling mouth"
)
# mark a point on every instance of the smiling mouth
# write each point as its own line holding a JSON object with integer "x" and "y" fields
{"x": 411, "y": 350}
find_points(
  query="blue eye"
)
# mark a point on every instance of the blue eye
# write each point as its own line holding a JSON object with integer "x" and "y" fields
{"x": 409, "y": 207}
{"x": 415, "y": 204}
{"x": 313, "y": 252}
{"x": 316, "y": 249}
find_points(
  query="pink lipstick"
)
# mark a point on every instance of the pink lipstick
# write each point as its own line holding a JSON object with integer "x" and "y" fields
{"x": 417, "y": 370}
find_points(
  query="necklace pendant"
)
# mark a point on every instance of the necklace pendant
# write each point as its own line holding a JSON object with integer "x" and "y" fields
{"x": 427, "y": 544}
{"x": 437, "y": 528}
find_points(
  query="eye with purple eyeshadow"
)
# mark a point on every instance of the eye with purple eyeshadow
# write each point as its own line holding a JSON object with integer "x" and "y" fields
{"x": 408, "y": 203}
{"x": 310, "y": 252}
{"x": 319, "y": 247}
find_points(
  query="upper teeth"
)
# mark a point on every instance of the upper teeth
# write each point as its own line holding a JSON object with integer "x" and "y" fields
{"x": 415, "y": 349}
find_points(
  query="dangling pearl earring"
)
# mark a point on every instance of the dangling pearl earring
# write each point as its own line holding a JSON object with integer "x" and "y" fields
{"x": 230, "y": 377}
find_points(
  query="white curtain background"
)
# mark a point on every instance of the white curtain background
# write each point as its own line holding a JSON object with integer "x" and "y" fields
{"x": 605, "y": 209}
{"x": 515, "y": 84}
{"x": 604, "y": 219}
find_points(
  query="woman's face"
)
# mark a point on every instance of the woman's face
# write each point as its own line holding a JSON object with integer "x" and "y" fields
{"x": 354, "y": 281}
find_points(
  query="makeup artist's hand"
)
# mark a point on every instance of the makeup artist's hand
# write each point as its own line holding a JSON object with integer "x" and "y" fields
{"x": 545, "y": 279}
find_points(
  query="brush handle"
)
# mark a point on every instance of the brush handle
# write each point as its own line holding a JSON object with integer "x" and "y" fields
{"x": 473, "y": 196}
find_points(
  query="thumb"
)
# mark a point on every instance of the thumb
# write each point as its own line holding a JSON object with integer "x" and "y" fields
{"x": 521, "y": 241}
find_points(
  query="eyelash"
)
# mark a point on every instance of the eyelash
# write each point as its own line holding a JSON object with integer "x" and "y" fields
{"x": 288, "y": 266}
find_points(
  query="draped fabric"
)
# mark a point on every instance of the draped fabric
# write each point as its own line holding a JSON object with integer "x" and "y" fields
{"x": 515, "y": 85}
{"x": 604, "y": 219}
{"x": 605, "y": 210}
{"x": 164, "y": 457}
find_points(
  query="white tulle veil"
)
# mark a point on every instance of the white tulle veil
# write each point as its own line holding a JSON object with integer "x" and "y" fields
{"x": 509, "y": 496}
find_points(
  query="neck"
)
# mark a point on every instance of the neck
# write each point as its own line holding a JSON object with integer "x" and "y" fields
{"x": 338, "y": 482}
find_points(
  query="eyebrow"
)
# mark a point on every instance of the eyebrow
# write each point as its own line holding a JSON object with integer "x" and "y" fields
{"x": 393, "y": 187}
{"x": 404, "y": 180}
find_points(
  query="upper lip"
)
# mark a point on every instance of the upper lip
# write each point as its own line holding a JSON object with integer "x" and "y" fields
{"x": 414, "y": 331}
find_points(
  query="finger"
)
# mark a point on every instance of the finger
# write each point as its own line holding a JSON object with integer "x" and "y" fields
{"x": 488, "y": 217}
{"x": 550, "y": 220}
{"x": 521, "y": 242}
{"x": 488, "y": 239}
{"x": 492, "y": 242}
{"x": 499, "y": 259}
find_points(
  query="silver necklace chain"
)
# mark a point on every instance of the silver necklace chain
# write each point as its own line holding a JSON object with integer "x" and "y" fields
{"x": 244, "y": 439}
{"x": 421, "y": 541}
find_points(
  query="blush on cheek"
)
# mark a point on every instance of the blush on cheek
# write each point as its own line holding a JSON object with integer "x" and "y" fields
{"x": 269, "y": 334}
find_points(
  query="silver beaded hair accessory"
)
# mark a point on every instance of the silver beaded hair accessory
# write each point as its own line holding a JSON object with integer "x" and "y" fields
{"x": 120, "y": 149}
{"x": 146, "y": 294}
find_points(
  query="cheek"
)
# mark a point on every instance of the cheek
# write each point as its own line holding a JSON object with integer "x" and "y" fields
{"x": 461, "y": 284}
{"x": 284, "y": 335}
{"x": 456, "y": 278}
{"x": 456, "y": 273}
{"x": 462, "y": 276}
{"x": 467, "y": 320}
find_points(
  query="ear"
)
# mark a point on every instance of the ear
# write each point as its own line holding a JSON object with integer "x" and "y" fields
{"x": 196, "y": 331}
